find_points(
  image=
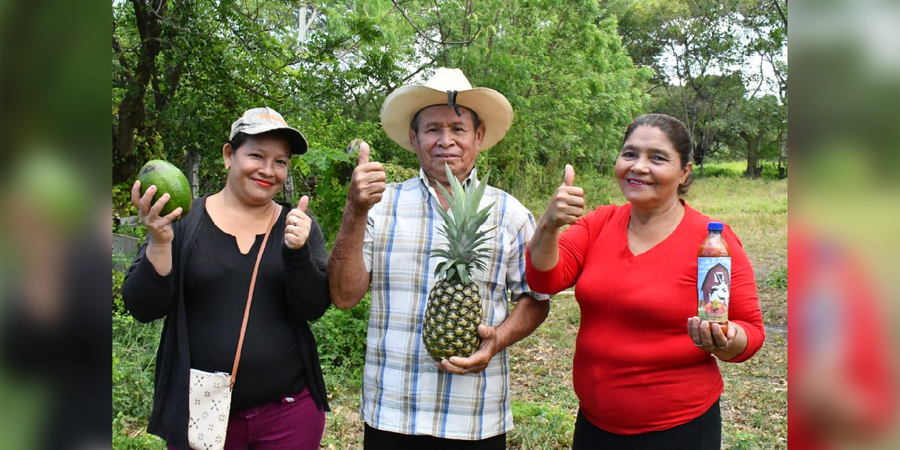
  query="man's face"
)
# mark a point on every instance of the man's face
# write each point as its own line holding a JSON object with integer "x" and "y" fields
{"x": 445, "y": 138}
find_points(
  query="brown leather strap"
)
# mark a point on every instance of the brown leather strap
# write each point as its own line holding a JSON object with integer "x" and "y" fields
{"x": 262, "y": 248}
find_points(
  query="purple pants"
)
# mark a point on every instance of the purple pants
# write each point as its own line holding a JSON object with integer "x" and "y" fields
{"x": 280, "y": 425}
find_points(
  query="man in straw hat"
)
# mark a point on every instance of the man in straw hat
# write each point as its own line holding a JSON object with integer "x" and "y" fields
{"x": 408, "y": 400}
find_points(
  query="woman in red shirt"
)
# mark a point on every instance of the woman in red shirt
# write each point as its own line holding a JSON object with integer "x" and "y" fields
{"x": 645, "y": 368}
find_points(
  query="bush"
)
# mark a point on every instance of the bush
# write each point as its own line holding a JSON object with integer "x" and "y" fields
{"x": 118, "y": 277}
{"x": 341, "y": 338}
{"x": 133, "y": 360}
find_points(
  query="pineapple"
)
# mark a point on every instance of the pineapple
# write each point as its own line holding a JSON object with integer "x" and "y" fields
{"x": 454, "y": 303}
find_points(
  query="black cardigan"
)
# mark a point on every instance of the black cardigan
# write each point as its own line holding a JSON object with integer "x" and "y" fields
{"x": 149, "y": 297}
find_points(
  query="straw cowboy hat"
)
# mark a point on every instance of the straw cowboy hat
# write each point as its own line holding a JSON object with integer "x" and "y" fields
{"x": 447, "y": 87}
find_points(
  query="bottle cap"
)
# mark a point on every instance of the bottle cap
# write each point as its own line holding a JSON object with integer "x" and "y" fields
{"x": 715, "y": 226}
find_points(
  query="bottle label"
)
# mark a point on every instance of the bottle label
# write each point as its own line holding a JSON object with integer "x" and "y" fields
{"x": 713, "y": 288}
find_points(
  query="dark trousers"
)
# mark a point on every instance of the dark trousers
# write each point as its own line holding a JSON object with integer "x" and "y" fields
{"x": 702, "y": 433}
{"x": 385, "y": 440}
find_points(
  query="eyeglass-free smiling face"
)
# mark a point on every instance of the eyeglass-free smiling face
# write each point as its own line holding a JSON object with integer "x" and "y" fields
{"x": 258, "y": 168}
{"x": 649, "y": 170}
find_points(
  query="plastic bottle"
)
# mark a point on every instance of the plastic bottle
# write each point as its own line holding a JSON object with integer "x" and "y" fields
{"x": 714, "y": 277}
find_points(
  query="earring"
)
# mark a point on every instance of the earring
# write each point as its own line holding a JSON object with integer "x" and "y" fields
{"x": 227, "y": 166}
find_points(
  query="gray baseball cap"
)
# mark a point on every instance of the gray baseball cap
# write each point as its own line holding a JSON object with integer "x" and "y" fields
{"x": 262, "y": 120}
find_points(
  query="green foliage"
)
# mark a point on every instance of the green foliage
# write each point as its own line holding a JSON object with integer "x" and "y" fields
{"x": 570, "y": 82}
{"x": 142, "y": 441}
{"x": 464, "y": 252}
{"x": 540, "y": 426}
{"x": 737, "y": 169}
{"x": 122, "y": 206}
{"x": 341, "y": 338}
{"x": 778, "y": 278}
{"x": 721, "y": 68}
{"x": 327, "y": 166}
{"x": 118, "y": 277}
{"x": 733, "y": 169}
{"x": 133, "y": 361}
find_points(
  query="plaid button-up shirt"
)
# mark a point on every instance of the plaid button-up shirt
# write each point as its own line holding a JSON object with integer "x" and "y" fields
{"x": 403, "y": 391}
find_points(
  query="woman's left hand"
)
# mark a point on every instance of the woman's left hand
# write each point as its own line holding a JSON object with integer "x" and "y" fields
{"x": 296, "y": 230}
{"x": 709, "y": 336}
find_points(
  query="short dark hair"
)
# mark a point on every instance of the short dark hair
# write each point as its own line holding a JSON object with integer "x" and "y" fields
{"x": 414, "y": 123}
{"x": 677, "y": 133}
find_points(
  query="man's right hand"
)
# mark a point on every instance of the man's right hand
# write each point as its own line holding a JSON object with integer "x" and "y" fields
{"x": 567, "y": 203}
{"x": 366, "y": 184}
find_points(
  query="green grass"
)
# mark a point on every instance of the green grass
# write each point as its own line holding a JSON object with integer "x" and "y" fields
{"x": 736, "y": 169}
{"x": 757, "y": 212}
{"x": 754, "y": 405}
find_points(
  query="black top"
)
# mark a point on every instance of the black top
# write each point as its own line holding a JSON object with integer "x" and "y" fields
{"x": 216, "y": 294}
{"x": 149, "y": 296}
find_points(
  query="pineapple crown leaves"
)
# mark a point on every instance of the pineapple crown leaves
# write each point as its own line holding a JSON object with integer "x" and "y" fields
{"x": 465, "y": 251}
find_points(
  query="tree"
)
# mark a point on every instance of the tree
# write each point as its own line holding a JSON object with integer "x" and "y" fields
{"x": 705, "y": 105}
{"x": 713, "y": 59}
{"x": 761, "y": 127}
{"x": 561, "y": 65}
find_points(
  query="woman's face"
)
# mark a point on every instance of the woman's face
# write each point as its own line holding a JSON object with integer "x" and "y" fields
{"x": 649, "y": 169}
{"x": 258, "y": 168}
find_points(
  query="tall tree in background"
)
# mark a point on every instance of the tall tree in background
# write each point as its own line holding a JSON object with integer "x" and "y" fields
{"x": 182, "y": 71}
{"x": 760, "y": 125}
{"x": 182, "y": 68}
{"x": 711, "y": 59}
{"x": 561, "y": 65}
{"x": 705, "y": 105}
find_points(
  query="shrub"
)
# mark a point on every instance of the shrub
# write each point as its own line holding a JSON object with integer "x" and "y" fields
{"x": 341, "y": 338}
{"x": 133, "y": 360}
{"x": 118, "y": 277}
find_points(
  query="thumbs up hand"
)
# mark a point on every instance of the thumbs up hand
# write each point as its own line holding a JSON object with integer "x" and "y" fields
{"x": 297, "y": 225}
{"x": 366, "y": 184}
{"x": 567, "y": 203}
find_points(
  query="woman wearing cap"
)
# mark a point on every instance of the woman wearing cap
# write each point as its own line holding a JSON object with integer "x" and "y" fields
{"x": 196, "y": 273}
{"x": 645, "y": 368}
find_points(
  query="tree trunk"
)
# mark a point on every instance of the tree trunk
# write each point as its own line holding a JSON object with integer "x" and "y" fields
{"x": 700, "y": 156}
{"x": 193, "y": 171}
{"x": 132, "y": 110}
{"x": 752, "y": 152}
{"x": 131, "y": 115}
{"x": 289, "y": 190}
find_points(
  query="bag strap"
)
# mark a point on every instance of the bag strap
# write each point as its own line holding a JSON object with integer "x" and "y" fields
{"x": 262, "y": 248}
